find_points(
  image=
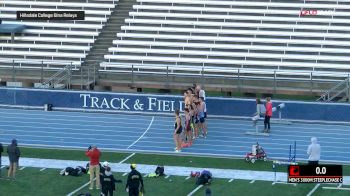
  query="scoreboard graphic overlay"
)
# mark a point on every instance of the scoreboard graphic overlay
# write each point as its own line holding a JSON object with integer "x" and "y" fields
{"x": 315, "y": 174}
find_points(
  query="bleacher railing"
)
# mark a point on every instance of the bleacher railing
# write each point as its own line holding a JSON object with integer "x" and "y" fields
{"x": 44, "y": 66}
{"x": 310, "y": 80}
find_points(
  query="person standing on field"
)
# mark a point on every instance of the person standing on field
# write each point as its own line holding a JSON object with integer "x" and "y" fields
{"x": 314, "y": 152}
{"x": 94, "y": 167}
{"x": 14, "y": 153}
{"x": 1, "y": 151}
{"x": 134, "y": 181}
{"x": 268, "y": 115}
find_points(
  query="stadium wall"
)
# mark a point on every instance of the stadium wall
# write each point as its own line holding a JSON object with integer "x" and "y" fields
{"x": 164, "y": 104}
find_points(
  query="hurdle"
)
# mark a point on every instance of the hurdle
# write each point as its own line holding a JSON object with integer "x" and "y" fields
{"x": 291, "y": 161}
{"x": 292, "y": 158}
{"x": 279, "y": 121}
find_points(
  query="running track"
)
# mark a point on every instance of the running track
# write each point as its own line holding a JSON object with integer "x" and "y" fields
{"x": 154, "y": 134}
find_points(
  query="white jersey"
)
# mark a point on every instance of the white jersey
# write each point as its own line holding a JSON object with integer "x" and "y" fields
{"x": 202, "y": 94}
{"x": 314, "y": 150}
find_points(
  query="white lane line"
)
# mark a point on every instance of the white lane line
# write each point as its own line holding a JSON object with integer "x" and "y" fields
{"x": 145, "y": 175}
{"x": 230, "y": 180}
{"x": 149, "y": 126}
{"x": 78, "y": 189}
{"x": 3, "y": 166}
{"x": 188, "y": 177}
{"x": 128, "y": 157}
{"x": 166, "y": 177}
{"x": 313, "y": 190}
{"x": 195, "y": 190}
{"x": 22, "y": 168}
{"x": 42, "y": 169}
{"x": 336, "y": 188}
{"x": 251, "y": 182}
{"x": 125, "y": 174}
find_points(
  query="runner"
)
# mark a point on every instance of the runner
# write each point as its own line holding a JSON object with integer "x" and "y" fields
{"x": 177, "y": 131}
{"x": 196, "y": 117}
{"x": 188, "y": 130}
{"x": 201, "y": 113}
{"x": 187, "y": 99}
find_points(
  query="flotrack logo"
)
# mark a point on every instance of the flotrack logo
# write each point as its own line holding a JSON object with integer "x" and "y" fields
{"x": 316, "y": 12}
{"x": 152, "y": 104}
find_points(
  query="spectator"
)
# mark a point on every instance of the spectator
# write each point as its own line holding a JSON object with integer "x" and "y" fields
{"x": 1, "y": 150}
{"x": 268, "y": 115}
{"x": 108, "y": 182}
{"x": 134, "y": 181}
{"x": 94, "y": 167}
{"x": 314, "y": 152}
{"x": 14, "y": 154}
{"x": 103, "y": 169}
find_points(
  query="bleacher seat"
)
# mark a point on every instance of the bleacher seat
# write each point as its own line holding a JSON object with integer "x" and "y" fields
{"x": 233, "y": 34}
{"x": 64, "y": 42}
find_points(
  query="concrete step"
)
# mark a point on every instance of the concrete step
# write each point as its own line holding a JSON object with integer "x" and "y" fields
{"x": 108, "y": 33}
{"x": 100, "y": 47}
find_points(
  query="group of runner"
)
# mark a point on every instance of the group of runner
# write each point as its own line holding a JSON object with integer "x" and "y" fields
{"x": 195, "y": 114}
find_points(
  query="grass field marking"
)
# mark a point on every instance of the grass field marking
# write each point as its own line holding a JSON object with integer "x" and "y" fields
{"x": 340, "y": 185}
{"x": 231, "y": 180}
{"x": 195, "y": 190}
{"x": 313, "y": 190}
{"x": 2, "y": 166}
{"x": 78, "y": 189}
{"x": 279, "y": 182}
{"x": 145, "y": 175}
{"x": 149, "y": 126}
{"x": 22, "y": 168}
{"x": 188, "y": 177}
{"x": 336, "y": 188}
{"x": 251, "y": 182}
{"x": 166, "y": 177}
{"x": 124, "y": 174}
{"x": 84, "y": 185}
{"x": 42, "y": 169}
{"x": 128, "y": 157}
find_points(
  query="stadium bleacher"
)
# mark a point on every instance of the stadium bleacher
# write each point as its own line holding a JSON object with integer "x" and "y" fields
{"x": 56, "y": 43}
{"x": 259, "y": 35}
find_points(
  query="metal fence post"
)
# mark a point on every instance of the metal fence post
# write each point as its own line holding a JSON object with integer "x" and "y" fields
{"x": 348, "y": 87}
{"x": 167, "y": 75}
{"x": 69, "y": 75}
{"x": 274, "y": 82}
{"x": 42, "y": 72}
{"x": 94, "y": 75}
{"x": 132, "y": 75}
{"x": 88, "y": 79}
{"x": 81, "y": 78}
{"x": 239, "y": 81}
{"x": 311, "y": 83}
{"x": 202, "y": 76}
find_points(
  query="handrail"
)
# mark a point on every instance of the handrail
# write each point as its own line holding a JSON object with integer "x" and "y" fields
{"x": 59, "y": 76}
{"x": 326, "y": 96}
